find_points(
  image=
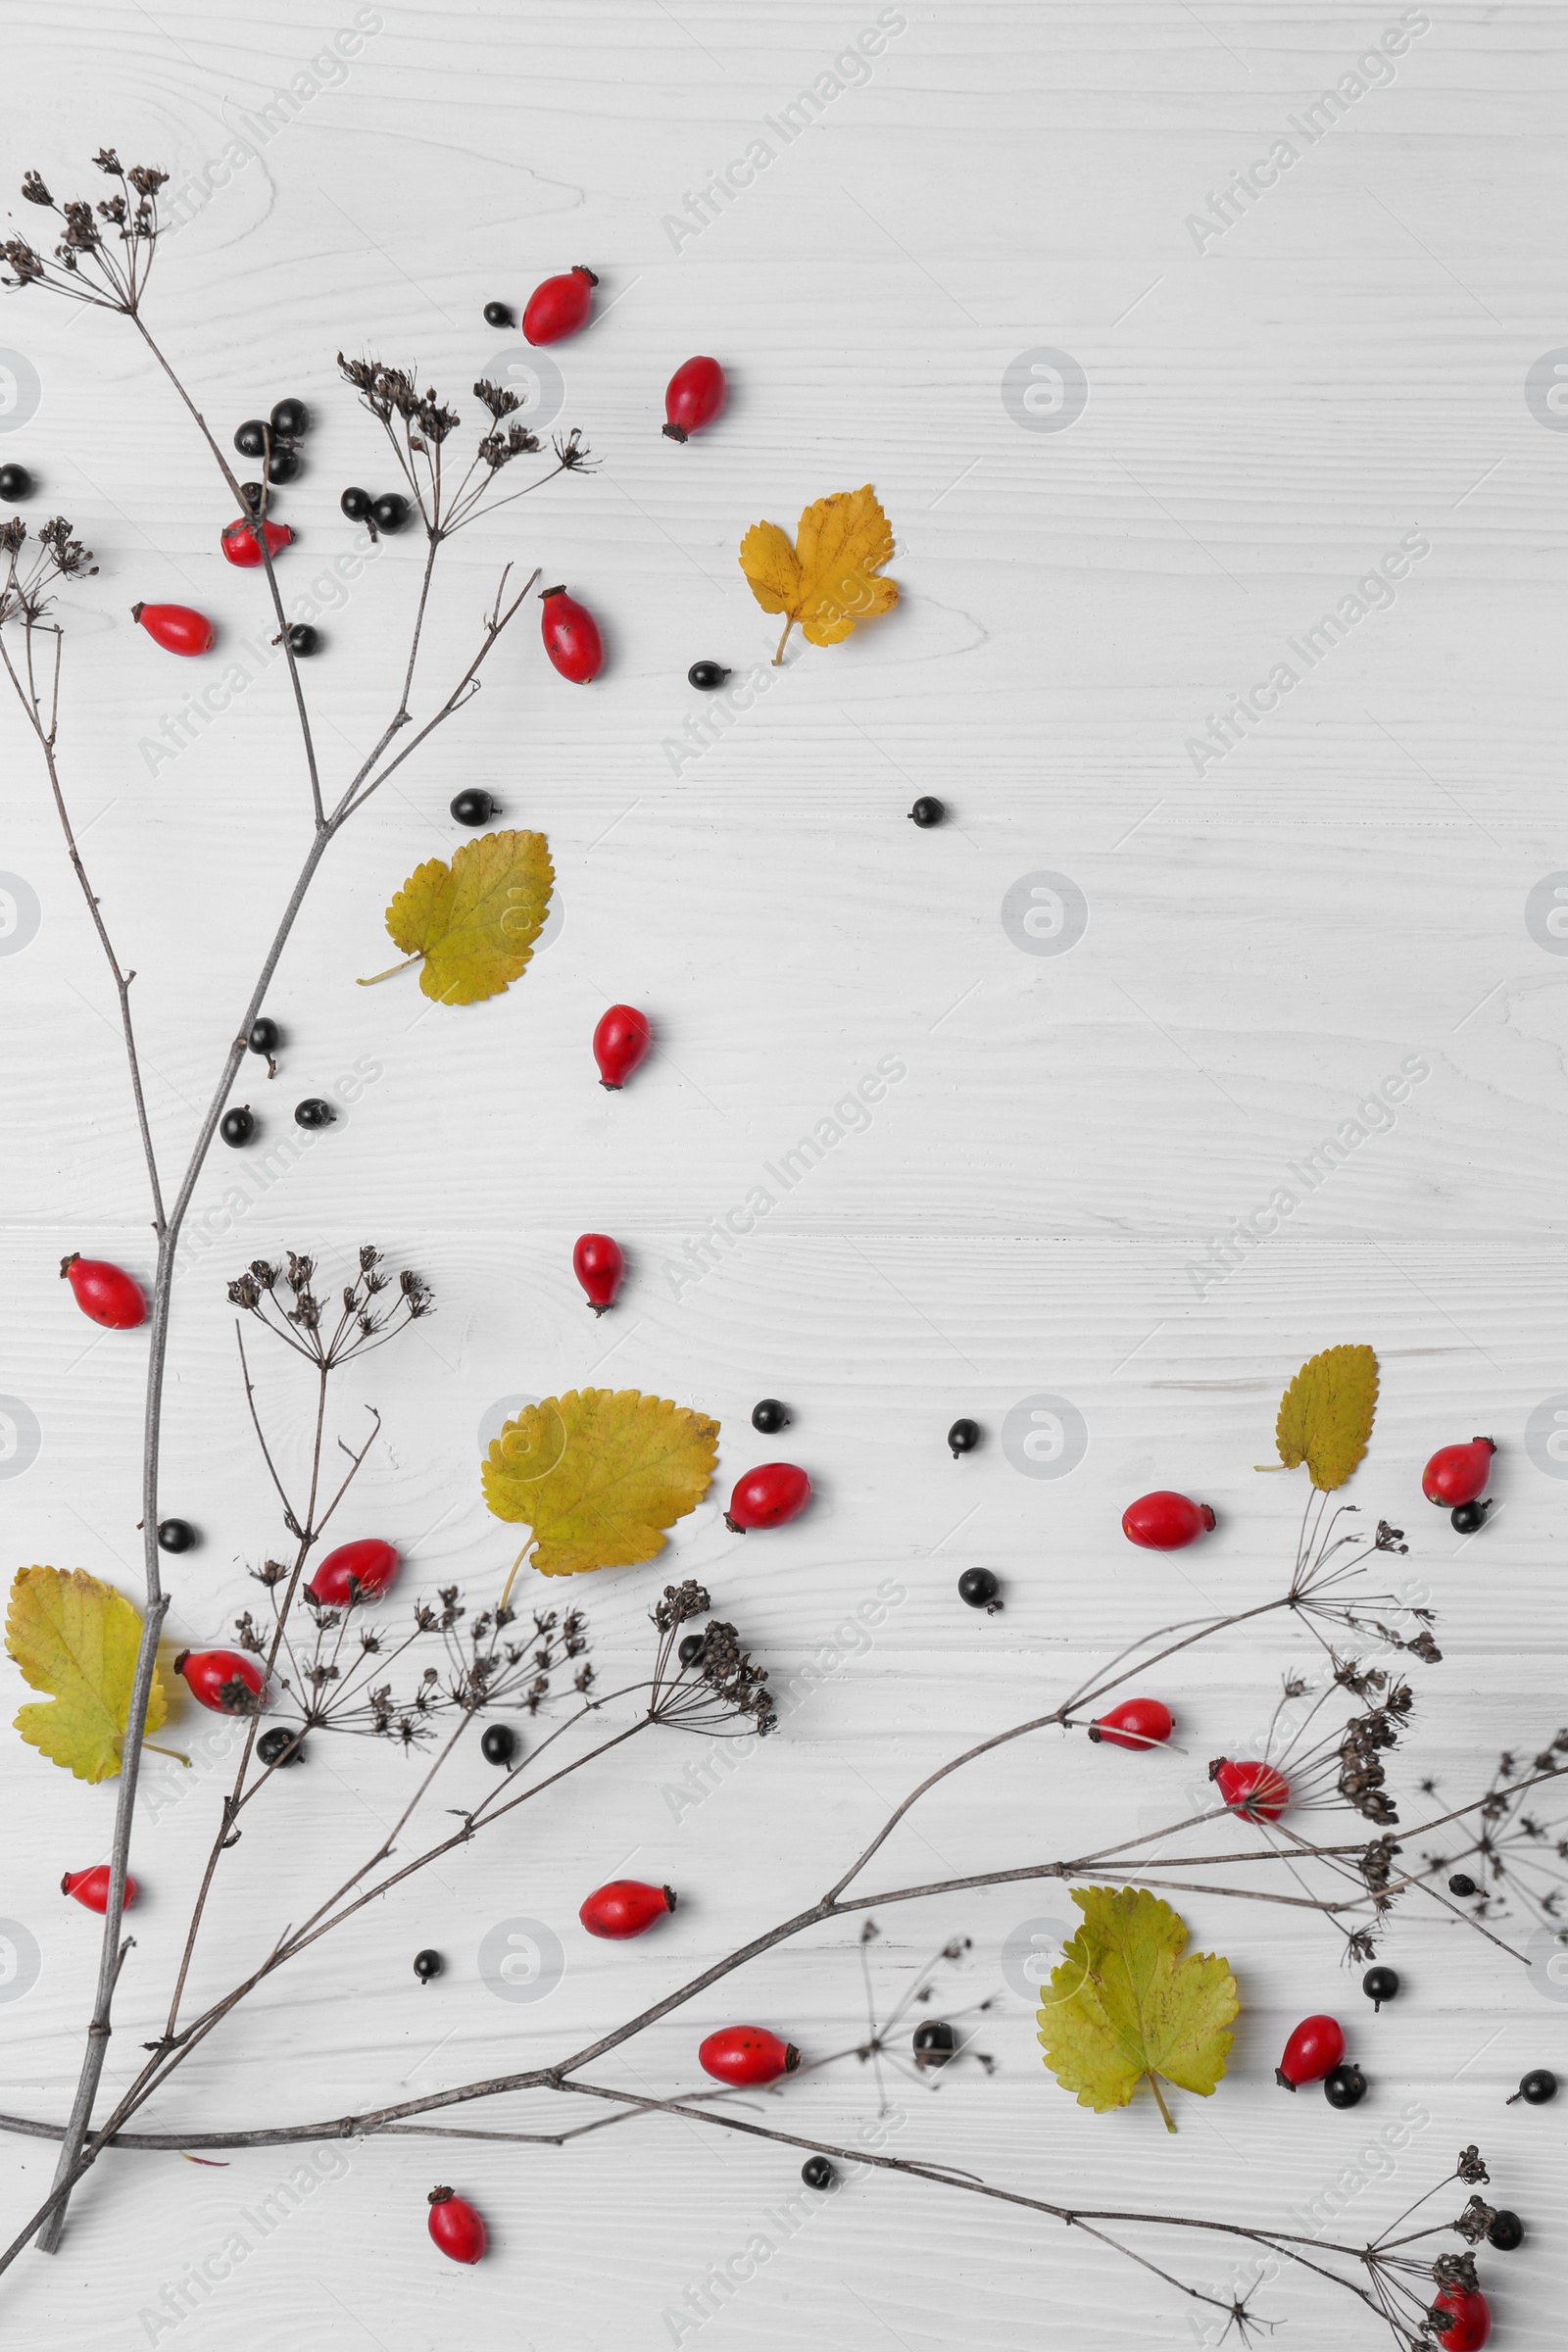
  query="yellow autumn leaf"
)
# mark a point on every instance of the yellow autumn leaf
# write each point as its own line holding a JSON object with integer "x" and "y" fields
{"x": 597, "y": 1475}
{"x": 1125, "y": 2004}
{"x": 826, "y": 580}
{"x": 1325, "y": 1416}
{"x": 475, "y": 921}
{"x": 77, "y": 1639}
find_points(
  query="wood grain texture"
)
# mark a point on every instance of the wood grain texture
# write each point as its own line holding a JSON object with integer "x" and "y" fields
{"x": 1270, "y": 934}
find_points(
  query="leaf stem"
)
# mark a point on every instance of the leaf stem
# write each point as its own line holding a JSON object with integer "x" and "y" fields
{"x": 391, "y": 968}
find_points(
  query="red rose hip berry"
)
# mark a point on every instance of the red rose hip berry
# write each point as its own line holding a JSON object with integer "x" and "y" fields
{"x": 456, "y": 2226}
{"x": 241, "y": 545}
{"x": 1254, "y": 1790}
{"x": 693, "y": 397}
{"x": 1165, "y": 1521}
{"x": 625, "y": 1908}
{"x": 570, "y": 636}
{"x": 1313, "y": 2050}
{"x": 177, "y": 628}
{"x": 1470, "y": 2324}
{"x": 1135, "y": 1722}
{"x": 599, "y": 1264}
{"x": 225, "y": 1680}
{"x": 357, "y": 1571}
{"x": 558, "y": 306}
{"x": 91, "y": 1887}
{"x": 103, "y": 1293}
{"x": 747, "y": 2054}
{"x": 770, "y": 1495}
{"x": 621, "y": 1043}
{"x": 1458, "y": 1474}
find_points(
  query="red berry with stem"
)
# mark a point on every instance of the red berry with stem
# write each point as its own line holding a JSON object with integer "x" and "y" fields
{"x": 625, "y": 1908}
{"x": 177, "y": 628}
{"x": 1254, "y": 1790}
{"x": 571, "y": 636}
{"x": 227, "y": 1681}
{"x": 770, "y": 1495}
{"x": 621, "y": 1043}
{"x": 1313, "y": 2050}
{"x": 103, "y": 1293}
{"x": 91, "y": 1887}
{"x": 560, "y": 306}
{"x": 456, "y": 2226}
{"x": 747, "y": 2054}
{"x": 357, "y": 1571}
{"x": 1458, "y": 1474}
{"x": 1135, "y": 1722}
{"x": 599, "y": 1264}
{"x": 1165, "y": 1521}
{"x": 1469, "y": 2318}
{"x": 242, "y": 547}
{"x": 693, "y": 397}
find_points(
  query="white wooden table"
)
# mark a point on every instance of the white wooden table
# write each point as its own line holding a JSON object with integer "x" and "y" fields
{"x": 1131, "y": 451}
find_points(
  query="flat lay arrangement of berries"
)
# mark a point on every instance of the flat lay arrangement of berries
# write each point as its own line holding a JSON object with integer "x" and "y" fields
{"x": 589, "y": 1701}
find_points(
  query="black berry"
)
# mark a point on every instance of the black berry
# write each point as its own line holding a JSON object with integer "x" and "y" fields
{"x": 1536, "y": 2087}
{"x": 356, "y": 504}
{"x": 265, "y": 1035}
{"x": 284, "y": 467}
{"x": 818, "y": 2172}
{"x": 237, "y": 1126}
{"x": 175, "y": 1534}
{"x": 1462, "y": 1884}
{"x": 303, "y": 639}
{"x": 314, "y": 1112}
{"x": 1380, "y": 1985}
{"x": 934, "y": 2042}
{"x": 473, "y": 805}
{"x": 706, "y": 676}
{"x": 692, "y": 1648}
{"x": 251, "y": 495}
{"x": 979, "y": 1587}
{"x": 927, "y": 811}
{"x": 964, "y": 1436}
{"x": 1467, "y": 1518}
{"x": 16, "y": 483}
{"x": 391, "y": 512}
{"x": 252, "y": 438}
{"x": 1345, "y": 2086}
{"x": 770, "y": 1416}
{"x": 1506, "y": 2231}
{"x": 499, "y": 1745}
{"x": 291, "y": 418}
{"x": 281, "y": 1745}
{"x": 426, "y": 1965}
{"x": 497, "y": 313}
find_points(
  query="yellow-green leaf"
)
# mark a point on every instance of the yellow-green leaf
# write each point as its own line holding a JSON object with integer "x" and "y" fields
{"x": 475, "y": 921}
{"x": 1125, "y": 2004}
{"x": 597, "y": 1475}
{"x": 827, "y": 580}
{"x": 79, "y": 1639}
{"x": 1326, "y": 1414}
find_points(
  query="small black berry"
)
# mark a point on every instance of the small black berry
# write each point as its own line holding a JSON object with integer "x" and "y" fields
{"x": 1345, "y": 2086}
{"x": 964, "y": 1436}
{"x": 251, "y": 495}
{"x": 979, "y": 1587}
{"x": 426, "y": 1965}
{"x": 934, "y": 2043}
{"x": 391, "y": 512}
{"x": 818, "y": 2172}
{"x": 692, "y": 1648}
{"x": 175, "y": 1534}
{"x": 303, "y": 639}
{"x": 499, "y": 1745}
{"x": 1536, "y": 2087}
{"x": 1380, "y": 1985}
{"x": 1468, "y": 1518}
{"x": 1506, "y": 2231}
{"x": 291, "y": 418}
{"x": 706, "y": 676}
{"x": 1462, "y": 1884}
{"x": 237, "y": 1126}
{"x": 265, "y": 1035}
{"x": 770, "y": 1416}
{"x": 356, "y": 504}
{"x": 16, "y": 483}
{"x": 314, "y": 1112}
{"x": 286, "y": 467}
{"x": 473, "y": 805}
{"x": 281, "y": 1745}
{"x": 252, "y": 438}
{"x": 497, "y": 313}
{"x": 927, "y": 811}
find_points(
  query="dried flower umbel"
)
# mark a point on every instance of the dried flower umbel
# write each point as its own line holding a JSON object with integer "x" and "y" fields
{"x": 419, "y": 425}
